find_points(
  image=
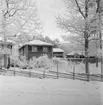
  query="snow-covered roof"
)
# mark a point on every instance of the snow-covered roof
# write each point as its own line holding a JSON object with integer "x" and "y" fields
{"x": 76, "y": 52}
{"x": 38, "y": 43}
{"x": 57, "y": 50}
{"x": 8, "y": 41}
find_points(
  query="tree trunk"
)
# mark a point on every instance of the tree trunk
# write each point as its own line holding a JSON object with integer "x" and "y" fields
{"x": 8, "y": 65}
{"x": 86, "y": 39}
{"x": 101, "y": 60}
{"x": 100, "y": 35}
{"x": 86, "y": 56}
{"x": 5, "y": 61}
{"x": 96, "y": 53}
{"x": 96, "y": 61}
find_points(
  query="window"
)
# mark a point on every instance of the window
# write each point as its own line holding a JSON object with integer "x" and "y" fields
{"x": 29, "y": 48}
{"x": 45, "y": 49}
{"x": 21, "y": 52}
{"x": 49, "y": 49}
{"x": 34, "y": 49}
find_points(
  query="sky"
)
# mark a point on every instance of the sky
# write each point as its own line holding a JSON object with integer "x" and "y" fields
{"x": 48, "y": 10}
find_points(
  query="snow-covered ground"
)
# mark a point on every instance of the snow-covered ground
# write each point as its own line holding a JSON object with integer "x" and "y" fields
{"x": 67, "y": 68}
{"x": 31, "y": 91}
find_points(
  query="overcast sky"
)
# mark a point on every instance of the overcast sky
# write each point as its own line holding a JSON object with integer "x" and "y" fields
{"x": 48, "y": 9}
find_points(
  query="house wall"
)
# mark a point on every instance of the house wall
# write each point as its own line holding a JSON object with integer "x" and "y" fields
{"x": 4, "y": 58}
{"x": 24, "y": 51}
{"x": 15, "y": 51}
{"x": 40, "y": 52}
{"x": 29, "y": 54}
{"x": 58, "y": 54}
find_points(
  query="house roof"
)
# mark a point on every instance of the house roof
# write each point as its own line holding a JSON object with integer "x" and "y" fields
{"x": 7, "y": 41}
{"x": 38, "y": 43}
{"x": 57, "y": 50}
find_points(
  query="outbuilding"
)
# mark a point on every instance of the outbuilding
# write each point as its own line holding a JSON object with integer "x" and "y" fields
{"x": 76, "y": 54}
{"x": 57, "y": 52}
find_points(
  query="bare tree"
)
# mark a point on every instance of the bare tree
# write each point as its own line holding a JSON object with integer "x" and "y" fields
{"x": 18, "y": 17}
{"x": 99, "y": 12}
{"x": 79, "y": 19}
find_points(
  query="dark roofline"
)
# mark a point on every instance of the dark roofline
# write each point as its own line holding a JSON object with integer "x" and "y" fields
{"x": 33, "y": 45}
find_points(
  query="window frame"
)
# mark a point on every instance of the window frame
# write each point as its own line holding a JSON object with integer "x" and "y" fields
{"x": 34, "y": 49}
{"x": 45, "y": 49}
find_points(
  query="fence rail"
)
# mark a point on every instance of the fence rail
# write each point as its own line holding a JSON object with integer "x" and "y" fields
{"x": 52, "y": 74}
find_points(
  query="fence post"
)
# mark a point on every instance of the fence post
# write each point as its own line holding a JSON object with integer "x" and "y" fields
{"x": 29, "y": 73}
{"x": 101, "y": 78}
{"x": 14, "y": 72}
{"x": 88, "y": 77}
{"x": 14, "y": 67}
{"x": 73, "y": 71}
{"x": 57, "y": 72}
{"x": 101, "y": 66}
{"x": 44, "y": 73}
{"x": 96, "y": 62}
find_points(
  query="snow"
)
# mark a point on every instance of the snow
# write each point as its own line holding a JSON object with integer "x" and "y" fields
{"x": 9, "y": 41}
{"x": 38, "y": 43}
{"x": 31, "y": 91}
{"x": 76, "y": 52}
{"x": 66, "y": 68}
{"x": 57, "y": 50}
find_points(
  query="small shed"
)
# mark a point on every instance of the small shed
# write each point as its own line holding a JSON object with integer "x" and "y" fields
{"x": 36, "y": 48}
{"x": 57, "y": 52}
{"x": 76, "y": 54}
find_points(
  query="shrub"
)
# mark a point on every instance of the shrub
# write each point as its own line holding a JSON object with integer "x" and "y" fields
{"x": 32, "y": 63}
{"x": 22, "y": 62}
{"x": 56, "y": 60}
{"x": 18, "y": 62}
{"x": 22, "y": 65}
{"x": 13, "y": 60}
{"x": 41, "y": 62}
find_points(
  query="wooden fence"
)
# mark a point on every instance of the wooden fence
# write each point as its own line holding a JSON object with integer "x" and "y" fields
{"x": 52, "y": 74}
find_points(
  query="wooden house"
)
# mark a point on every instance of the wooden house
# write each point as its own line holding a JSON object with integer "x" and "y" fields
{"x": 36, "y": 48}
{"x": 8, "y": 44}
{"x": 5, "y": 51}
{"x": 57, "y": 52}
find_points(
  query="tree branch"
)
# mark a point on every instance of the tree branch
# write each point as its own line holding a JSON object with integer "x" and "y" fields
{"x": 98, "y": 6}
{"x": 79, "y": 9}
